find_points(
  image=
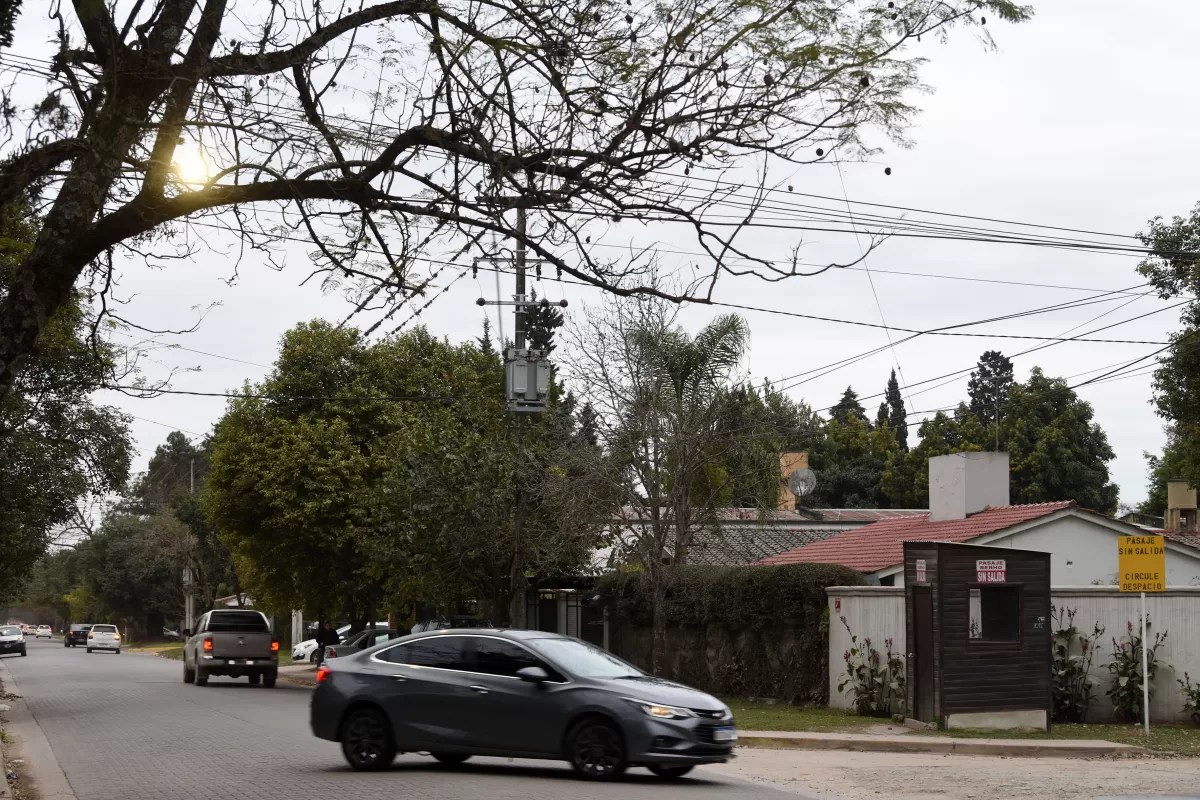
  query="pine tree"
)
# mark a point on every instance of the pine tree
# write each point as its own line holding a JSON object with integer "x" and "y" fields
{"x": 848, "y": 405}
{"x": 485, "y": 341}
{"x": 893, "y": 404}
{"x": 989, "y": 385}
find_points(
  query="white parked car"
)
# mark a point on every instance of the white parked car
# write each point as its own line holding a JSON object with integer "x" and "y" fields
{"x": 12, "y": 640}
{"x": 104, "y": 637}
{"x": 44, "y": 632}
{"x": 307, "y": 650}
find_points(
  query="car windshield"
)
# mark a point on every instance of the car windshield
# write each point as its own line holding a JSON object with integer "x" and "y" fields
{"x": 237, "y": 622}
{"x": 9, "y": 630}
{"x": 583, "y": 659}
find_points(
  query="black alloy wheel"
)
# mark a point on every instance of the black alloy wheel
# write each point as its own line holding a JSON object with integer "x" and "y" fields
{"x": 450, "y": 758}
{"x": 597, "y": 750}
{"x": 670, "y": 773}
{"x": 367, "y": 742}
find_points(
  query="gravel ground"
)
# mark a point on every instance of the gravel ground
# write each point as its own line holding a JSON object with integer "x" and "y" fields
{"x": 840, "y": 775}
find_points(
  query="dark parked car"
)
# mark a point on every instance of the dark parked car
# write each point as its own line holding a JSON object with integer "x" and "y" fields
{"x": 515, "y": 694}
{"x": 361, "y": 641}
{"x": 77, "y": 634}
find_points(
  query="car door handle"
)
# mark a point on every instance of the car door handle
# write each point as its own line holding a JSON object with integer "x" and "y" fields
{"x": 479, "y": 689}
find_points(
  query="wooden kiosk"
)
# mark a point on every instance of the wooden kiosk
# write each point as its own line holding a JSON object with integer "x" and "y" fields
{"x": 978, "y": 633}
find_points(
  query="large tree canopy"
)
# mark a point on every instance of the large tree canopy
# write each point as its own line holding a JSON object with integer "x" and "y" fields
{"x": 1174, "y": 270}
{"x": 404, "y": 128}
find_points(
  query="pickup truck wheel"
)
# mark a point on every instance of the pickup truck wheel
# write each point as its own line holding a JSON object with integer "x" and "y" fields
{"x": 269, "y": 681}
{"x": 367, "y": 741}
{"x": 201, "y": 676}
{"x": 89, "y": 649}
{"x": 255, "y": 679}
{"x": 189, "y": 675}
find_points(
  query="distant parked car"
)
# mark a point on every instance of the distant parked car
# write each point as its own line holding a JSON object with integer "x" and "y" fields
{"x": 44, "y": 632}
{"x": 233, "y": 642}
{"x": 515, "y": 694}
{"x": 368, "y": 638}
{"x": 170, "y": 635}
{"x": 446, "y": 623}
{"x": 12, "y": 640}
{"x": 104, "y": 637}
{"x": 307, "y": 650}
{"x": 76, "y": 634}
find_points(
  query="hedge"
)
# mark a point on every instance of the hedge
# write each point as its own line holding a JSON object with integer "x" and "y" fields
{"x": 744, "y": 631}
{"x": 734, "y": 597}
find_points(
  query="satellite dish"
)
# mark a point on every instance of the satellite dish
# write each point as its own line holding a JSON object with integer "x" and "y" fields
{"x": 802, "y": 481}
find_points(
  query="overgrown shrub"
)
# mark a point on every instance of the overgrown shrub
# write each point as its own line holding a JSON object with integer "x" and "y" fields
{"x": 1191, "y": 698}
{"x": 1126, "y": 670}
{"x": 1073, "y": 653}
{"x": 775, "y": 619}
{"x": 876, "y": 681}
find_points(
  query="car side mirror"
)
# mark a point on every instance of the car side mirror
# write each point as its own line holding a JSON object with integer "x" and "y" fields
{"x": 533, "y": 675}
{"x": 187, "y": 631}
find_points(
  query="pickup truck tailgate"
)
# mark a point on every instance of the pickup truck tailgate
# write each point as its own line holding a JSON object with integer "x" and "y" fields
{"x": 241, "y": 645}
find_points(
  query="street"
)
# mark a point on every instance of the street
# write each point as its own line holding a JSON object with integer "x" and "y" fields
{"x": 126, "y": 726}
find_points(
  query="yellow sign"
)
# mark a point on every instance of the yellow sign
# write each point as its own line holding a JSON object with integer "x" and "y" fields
{"x": 1142, "y": 563}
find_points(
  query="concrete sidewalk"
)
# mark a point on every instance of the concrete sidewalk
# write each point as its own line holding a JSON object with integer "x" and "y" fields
{"x": 302, "y": 674}
{"x": 904, "y": 743}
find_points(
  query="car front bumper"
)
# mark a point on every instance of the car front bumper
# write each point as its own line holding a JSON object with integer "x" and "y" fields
{"x": 11, "y": 647}
{"x": 678, "y": 742}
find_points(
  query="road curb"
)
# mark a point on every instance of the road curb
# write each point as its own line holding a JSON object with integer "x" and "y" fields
{"x": 1025, "y": 748}
{"x": 49, "y": 781}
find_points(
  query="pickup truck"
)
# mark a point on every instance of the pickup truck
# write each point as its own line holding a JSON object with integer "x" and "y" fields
{"x": 235, "y": 642}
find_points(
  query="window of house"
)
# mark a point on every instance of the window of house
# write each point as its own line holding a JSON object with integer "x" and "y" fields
{"x": 995, "y": 614}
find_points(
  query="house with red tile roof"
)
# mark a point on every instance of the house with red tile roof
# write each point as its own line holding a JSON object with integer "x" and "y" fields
{"x": 969, "y": 504}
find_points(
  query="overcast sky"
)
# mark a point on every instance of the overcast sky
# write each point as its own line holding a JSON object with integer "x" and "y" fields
{"x": 1083, "y": 118}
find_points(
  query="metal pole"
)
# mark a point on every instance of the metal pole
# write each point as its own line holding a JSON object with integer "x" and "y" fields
{"x": 520, "y": 265}
{"x": 517, "y": 573}
{"x": 1145, "y": 670}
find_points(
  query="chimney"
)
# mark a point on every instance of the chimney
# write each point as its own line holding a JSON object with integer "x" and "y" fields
{"x": 961, "y": 484}
{"x": 1181, "y": 507}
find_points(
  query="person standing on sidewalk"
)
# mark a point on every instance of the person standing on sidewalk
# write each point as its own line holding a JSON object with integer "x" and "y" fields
{"x": 326, "y": 637}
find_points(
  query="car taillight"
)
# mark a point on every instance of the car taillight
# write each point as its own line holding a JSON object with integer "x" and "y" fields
{"x": 208, "y": 645}
{"x": 91, "y": 635}
{"x": 323, "y": 674}
{"x": 274, "y": 646}
{"x": 117, "y": 637}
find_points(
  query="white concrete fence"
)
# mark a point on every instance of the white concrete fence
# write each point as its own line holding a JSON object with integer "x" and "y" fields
{"x": 878, "y": 612}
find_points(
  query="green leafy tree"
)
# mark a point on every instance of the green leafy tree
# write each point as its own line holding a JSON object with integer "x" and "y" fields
{"x": 891, "y": 412}
{"x": 57, "y": 447}
{"x": 1174, "y": 271}
{"x": 848, "y": 406}
{"x": 1159, "y": 470}
{"x": 1056, "y": 450}
{"x": 989, "y": 385}
{"x": 850, "y": 464}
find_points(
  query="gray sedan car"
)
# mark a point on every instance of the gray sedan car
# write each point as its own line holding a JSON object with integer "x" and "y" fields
{"x": 515, "y": 694}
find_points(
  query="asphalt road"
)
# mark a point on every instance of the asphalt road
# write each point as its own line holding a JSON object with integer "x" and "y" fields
{"x": 126, "y": 726}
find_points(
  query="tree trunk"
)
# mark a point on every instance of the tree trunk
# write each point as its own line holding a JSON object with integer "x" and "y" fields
{"x": 658, "y": 647}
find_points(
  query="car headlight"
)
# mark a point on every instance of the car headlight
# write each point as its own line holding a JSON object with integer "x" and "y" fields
{"x": 659, "y": 711}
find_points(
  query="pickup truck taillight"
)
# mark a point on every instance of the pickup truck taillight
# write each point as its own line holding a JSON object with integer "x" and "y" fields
{"x": 208, "y": 645}
{"x": 274, "y": 645}
{"x": 323, "y": 674}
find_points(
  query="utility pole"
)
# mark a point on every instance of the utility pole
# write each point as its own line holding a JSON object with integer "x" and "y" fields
{"x": 527, "y": 378}
{"x": 189, "y": 602}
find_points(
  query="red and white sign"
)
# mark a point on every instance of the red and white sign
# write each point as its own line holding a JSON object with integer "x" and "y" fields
{"x": 837, "y": 604}
{"x": 992, "y": 570}
{"x": 920, "y": 570}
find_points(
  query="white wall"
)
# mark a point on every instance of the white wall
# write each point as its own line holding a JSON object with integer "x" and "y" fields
{"x": 878, "y": 612}
{"x": 1085, "y": 552}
